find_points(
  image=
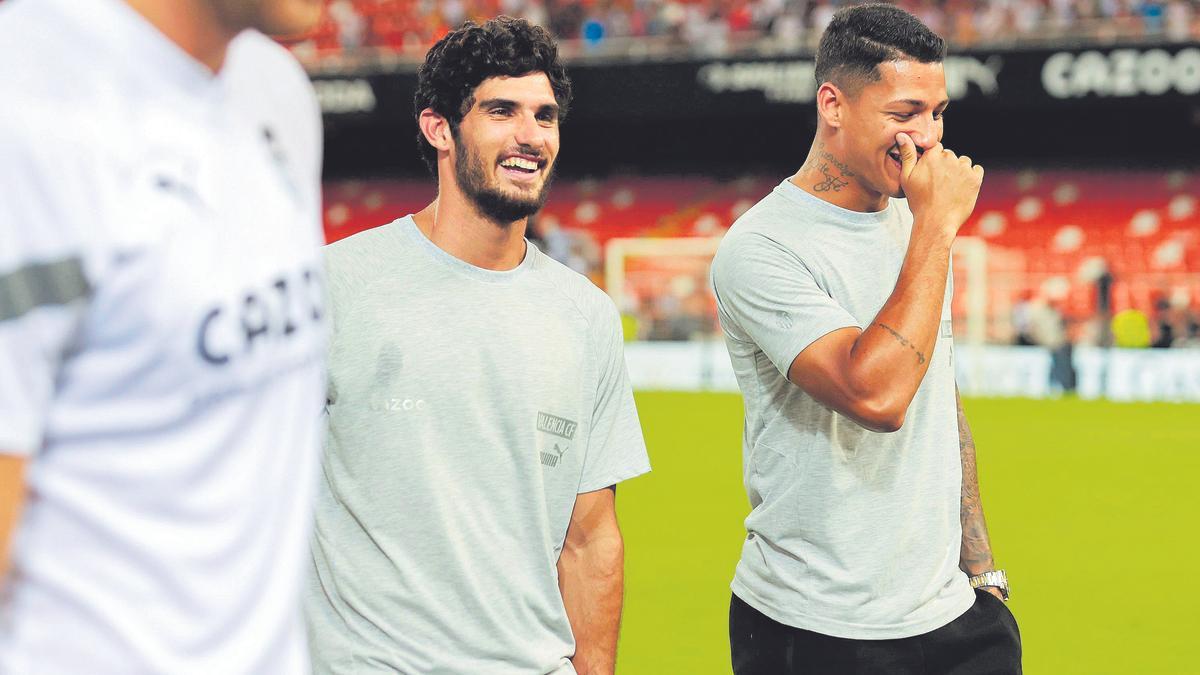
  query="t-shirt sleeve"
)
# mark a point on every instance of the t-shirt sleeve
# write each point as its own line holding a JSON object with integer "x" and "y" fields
{"x": 767, "y": 296}
{"x": 44, "y": 288}
{"x": 616, "y": 450}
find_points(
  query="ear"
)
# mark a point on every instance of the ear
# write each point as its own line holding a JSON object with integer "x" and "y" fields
{"x": 436, "y": 130}
{"x": 829, "y": 104}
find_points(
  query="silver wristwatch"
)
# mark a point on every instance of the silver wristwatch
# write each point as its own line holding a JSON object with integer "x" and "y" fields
{"x": 996, "y": 578}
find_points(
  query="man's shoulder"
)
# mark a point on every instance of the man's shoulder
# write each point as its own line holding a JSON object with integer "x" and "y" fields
{"x": 268, "y": 81}
{"x": 25, "y": 29}
{"x": 255, "y": 55}
{"x": 358, "y": 259}
{"x": 576, "y": 290}
{"x": 379, "y": 241}
{"x": 58, "y": 141}
{"x": 45, "y": 77}
{"x": 758, "y": 235}
{"x": 773, "y": 218}
{"x": 766, "y": 213}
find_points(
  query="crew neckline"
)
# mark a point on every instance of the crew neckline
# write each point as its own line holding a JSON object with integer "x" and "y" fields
{"x": 409, "y": 226}
{"x": 792, "y": 192}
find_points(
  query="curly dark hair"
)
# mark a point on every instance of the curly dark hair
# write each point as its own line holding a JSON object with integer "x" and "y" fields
{"x": 464, "y": 58}
{"x": 861, "y": 37}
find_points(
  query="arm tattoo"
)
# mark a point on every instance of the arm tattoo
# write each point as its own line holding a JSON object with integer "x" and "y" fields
{"x": 831, "y": 181}
{"x": 904, "y": 341}
{"x": 975, "y": 555}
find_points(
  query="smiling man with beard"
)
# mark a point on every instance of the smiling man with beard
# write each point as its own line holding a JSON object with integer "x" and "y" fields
{"x": 479, "y": 410}
{"x": 866, "y": 533}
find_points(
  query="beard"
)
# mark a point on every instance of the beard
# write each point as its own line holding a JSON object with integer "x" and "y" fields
{"x": 494, "y": 204}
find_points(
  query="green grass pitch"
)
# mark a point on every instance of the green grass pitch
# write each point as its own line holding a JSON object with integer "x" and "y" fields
{"x": 1093, "y": 508}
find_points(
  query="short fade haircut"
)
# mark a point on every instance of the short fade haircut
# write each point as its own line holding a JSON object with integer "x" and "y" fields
{"x": 860, "y": 38}
{"x": 464, "y": 58}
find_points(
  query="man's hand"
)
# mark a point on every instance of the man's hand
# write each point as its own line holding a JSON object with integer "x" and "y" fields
{"x": 941, "y": 187}
{"x": 994, "y": 591}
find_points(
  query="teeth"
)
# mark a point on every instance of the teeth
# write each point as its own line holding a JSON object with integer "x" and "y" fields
{"x": 520, "y": 163}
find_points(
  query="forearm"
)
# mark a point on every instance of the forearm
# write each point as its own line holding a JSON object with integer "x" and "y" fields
{"x": 591, "y": 578}
{"x": 975, "y": 556}
{"x": 890, "y": 357}
{"x": 12, "y": 494}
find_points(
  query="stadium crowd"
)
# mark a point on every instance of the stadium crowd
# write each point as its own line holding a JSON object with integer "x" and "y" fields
{"x": 707, "y": 27}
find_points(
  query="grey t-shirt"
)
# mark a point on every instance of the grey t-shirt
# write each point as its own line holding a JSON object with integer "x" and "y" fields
{"x": 467, "y": 409}
{"x": 851, "y": 533}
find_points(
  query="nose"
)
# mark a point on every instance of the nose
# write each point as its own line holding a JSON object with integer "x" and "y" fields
{"x": 924, "y": 131}
{"x": 529, "y": 132}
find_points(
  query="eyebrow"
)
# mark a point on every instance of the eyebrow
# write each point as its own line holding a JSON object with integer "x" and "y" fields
{"x": 511, "y": 104}
{"x": 497, "y": 103}
{"x": 917, "y": 103}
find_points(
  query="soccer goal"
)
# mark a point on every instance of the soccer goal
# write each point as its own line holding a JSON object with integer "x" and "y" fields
{"x": 663, "y": 284}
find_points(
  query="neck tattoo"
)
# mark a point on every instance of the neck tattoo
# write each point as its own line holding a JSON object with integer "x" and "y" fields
{"x": 832, "y": 182}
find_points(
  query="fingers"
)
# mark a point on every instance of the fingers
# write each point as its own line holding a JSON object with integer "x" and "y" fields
{"x": 909, "y": 157}
{"x": 908, "y": 154}
{"x": 968, "y": 163}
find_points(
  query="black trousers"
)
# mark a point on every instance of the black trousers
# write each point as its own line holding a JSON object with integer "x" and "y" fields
{"x": 985, "y": 639}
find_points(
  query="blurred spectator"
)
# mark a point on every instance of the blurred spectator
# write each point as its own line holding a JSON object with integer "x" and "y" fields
{"x": 1179, "y": 22}
{"x": 1022, "y": 320}
{"x": 574, "y": 248}
{"x": 1165, "y": 327}
{"x": 682, "y": 313}
{"x": 351, "y": 27}
{"x": 1050, "y": 331}
{"x": 1174, "y": 325}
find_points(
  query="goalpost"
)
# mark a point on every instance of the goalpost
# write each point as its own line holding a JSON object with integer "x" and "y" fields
{"x": 618, "y": 251}
{"x": 970, "y": 256}
{"x": 661, "y": 286}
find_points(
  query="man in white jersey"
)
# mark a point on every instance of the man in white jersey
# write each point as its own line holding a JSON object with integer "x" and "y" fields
{"x": 161, "y": 335}
{"x": 866, "y": 533}
{"x": 479, "y": 410}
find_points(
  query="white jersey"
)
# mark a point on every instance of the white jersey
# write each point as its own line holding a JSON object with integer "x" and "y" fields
{"x": 161, "y": 345}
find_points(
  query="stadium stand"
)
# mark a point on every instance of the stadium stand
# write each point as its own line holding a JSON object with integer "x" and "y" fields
{"x": 648, "y": 27}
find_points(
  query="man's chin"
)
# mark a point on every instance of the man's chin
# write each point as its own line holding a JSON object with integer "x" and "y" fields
{"x": 504, "y": 208}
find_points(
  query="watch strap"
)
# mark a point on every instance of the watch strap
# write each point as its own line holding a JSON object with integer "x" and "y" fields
{"x": 994, "y": 578}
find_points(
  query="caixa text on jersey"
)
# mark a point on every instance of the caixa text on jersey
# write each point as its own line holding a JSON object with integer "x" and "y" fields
{"x": 284, "y": 307}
